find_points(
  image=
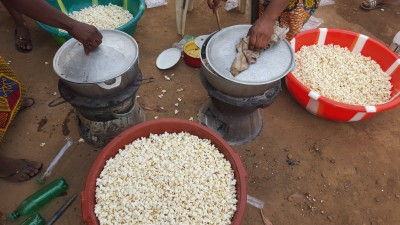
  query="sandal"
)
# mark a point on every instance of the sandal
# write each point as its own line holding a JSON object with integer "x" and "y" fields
{"x": 372, "y": 4}
{"x": 23, "y": 41}
{"x": 27, "y": 170}
{"x": 26, "y": 103}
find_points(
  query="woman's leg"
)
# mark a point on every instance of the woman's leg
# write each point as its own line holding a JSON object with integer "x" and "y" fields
{"x": 22, "y": 36}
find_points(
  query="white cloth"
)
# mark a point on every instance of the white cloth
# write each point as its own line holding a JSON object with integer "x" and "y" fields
{"x": 245, "y": 57}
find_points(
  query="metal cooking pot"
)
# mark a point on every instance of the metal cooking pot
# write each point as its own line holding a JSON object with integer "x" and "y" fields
{"x": 234, "y": 86}
{"x": 229, "y": 87}
{"x": 105, "y": 71}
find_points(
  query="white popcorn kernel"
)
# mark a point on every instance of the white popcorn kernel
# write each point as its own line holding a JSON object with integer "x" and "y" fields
{"x": 42, "y": 144}
{"x": 176, "y": 104}
{"x": 103, "y": 16}
{"x": 163, "y": 179}
{"x": 167, "y": 77}
{"x": 176, "y": 111}
{"x": 338, "y": 74}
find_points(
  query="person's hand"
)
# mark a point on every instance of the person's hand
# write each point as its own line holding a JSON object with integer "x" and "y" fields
{"x": 260, "y": 33}
{"x": 86, "y": 34}
{"x": 213, "y": 4}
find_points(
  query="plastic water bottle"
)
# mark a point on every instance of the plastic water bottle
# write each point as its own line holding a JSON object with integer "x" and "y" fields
{"x": 40, "y": 198}
{"x": 35, "y": 219}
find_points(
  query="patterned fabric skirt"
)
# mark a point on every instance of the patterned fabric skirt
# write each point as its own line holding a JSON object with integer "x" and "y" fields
{"x": 10, "y": 96}
{"x": 295, "y": 15}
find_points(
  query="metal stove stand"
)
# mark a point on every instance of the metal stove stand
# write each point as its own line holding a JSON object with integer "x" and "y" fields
{"x": 236, "y": 119}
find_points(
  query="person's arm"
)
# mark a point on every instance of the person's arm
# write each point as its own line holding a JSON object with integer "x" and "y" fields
{"x": 213, "y": 4}
{"x": 41, "y": 11}
{"x": 261, "y": 31}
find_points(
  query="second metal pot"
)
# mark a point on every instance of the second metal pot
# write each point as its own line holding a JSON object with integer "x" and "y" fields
{"x": 226, "y": 86}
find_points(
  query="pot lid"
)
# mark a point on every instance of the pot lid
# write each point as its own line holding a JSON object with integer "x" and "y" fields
{"x": 272, "y": 64}
{"x": 116, "y": 54}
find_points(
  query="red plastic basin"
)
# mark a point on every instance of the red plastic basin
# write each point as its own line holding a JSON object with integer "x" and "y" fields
{"x": 355, "y": 42}
{"x": 161, "y": 126}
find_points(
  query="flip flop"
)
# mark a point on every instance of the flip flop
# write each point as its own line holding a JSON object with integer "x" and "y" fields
{"x": 26, "y": 103}
{"x": 373, "y": 4}
{"x": 23, "y": 41}
{"x": 27, "y": 171}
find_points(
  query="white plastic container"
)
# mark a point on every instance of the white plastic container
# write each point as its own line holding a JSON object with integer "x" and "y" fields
{"x": 395, "y": 46}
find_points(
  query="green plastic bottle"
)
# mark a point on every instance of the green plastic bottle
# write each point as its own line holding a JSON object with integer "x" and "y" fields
{"x": 40, "y": 198}
{"x": 35, "y": 219}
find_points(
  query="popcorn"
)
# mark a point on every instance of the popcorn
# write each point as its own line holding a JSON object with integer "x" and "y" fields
{"x": 170, "y": 178}
{"x": 103, "y": 16}
{"x": 338, "y": 74}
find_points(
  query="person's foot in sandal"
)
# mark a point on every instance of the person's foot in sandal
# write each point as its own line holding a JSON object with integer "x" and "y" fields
{"x": 18, "y": 170}
{"x": 23, "y": 41}
{"x": 374, "y": 4}
{"x": 26, "y": 103}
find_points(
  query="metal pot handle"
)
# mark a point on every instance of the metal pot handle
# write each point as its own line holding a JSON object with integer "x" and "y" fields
{"x": 122, "y": 115}
{"x": 111, "y": 86}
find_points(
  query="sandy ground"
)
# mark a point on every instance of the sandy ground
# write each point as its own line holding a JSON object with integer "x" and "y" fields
{"x": 347, "y": 173}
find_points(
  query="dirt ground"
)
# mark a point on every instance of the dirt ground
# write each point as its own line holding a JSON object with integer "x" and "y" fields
{"x": 346, "y": 173}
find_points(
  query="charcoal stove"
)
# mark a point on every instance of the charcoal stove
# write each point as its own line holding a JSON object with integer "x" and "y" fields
{"x": 233, "y": 109}
{"x": 102, "y": 118}
{"x": 236, "y": 119}
{"x": 101, "y": 85}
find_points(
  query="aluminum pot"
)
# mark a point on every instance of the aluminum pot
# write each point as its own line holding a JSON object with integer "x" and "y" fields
{"x": 232, "y": 86}
{"x": 105, "y": 71}
{"x": 229, "y": 87}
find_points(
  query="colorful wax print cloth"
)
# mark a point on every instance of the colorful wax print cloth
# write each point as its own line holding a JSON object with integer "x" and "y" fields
{"x": 295, "y": 15}
{"x": 10, "y": 96}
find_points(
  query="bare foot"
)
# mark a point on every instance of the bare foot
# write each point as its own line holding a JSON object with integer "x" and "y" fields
{"x": 18, "y": 170}
{"x": 23, "y": 41}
